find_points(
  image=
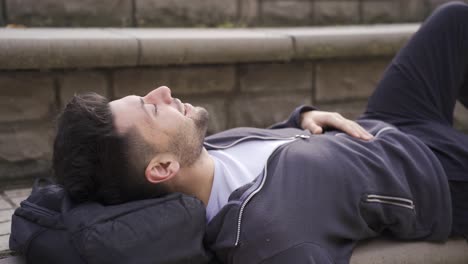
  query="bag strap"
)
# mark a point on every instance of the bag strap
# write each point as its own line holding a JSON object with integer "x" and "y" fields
{"x": 41, "y": 182}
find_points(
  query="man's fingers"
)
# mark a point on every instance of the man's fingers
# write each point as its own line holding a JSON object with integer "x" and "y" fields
{"x": 361, "y": 132}
{"x": 350, "y": 127}
{"x": 315, "y": 120}
{"x": 314, "y": 129}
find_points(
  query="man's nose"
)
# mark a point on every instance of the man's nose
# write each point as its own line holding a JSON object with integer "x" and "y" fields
{"x": 159, "y": 95}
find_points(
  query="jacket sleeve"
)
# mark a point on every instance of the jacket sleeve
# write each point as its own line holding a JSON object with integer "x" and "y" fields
{"x": 293, "y": 120}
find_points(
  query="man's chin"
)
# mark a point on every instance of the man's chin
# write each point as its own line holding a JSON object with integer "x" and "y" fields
{"x": 201, "y": 117}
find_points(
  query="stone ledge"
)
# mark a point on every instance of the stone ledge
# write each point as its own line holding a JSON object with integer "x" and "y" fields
{"x": 454, "y": 251}
{"x": 379, "y": 252}
{"x": 53, "y": 48}
{"x": 349, "y": 41}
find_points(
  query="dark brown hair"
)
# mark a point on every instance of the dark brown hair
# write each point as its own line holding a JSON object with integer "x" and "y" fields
{"x": 93, "y": 162}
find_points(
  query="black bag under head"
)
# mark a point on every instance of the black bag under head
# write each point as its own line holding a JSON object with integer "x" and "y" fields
{"x": 49, "y": 228}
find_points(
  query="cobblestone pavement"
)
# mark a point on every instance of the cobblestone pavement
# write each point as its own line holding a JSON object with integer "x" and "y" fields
{"x": 9, "y": 200}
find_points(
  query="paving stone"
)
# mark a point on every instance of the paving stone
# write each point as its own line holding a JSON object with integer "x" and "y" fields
{"x": 17, "y": 200}
{"x": 347, "y": 79}
{"x": 336, "y": 12}
{"x": 5, "y": 215}
{"x": 21, "y": 192}
{"x": 72, "y": 83}
{"x": 4, "y": 240}
{"x": 181, "y": 80}
{"x": 380, "y": 11}
{"x": 25, "y": 96}
{"x": 163, "y": 13}
{"x": 4, "y": 204}
{"x": 58, "y": 13}
{"x": 5, "y": 228}
{"x": 461, "y": 118}
{"x": 289, "y": 77}
{"x": 248, "y": 12}
{"x": 216, "y": 107}
{"x": 286, "y": 12}
{"x": 263, "y": 111}
{"x": 414, "y": 10}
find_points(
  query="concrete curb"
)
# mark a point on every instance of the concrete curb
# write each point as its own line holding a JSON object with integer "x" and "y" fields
{"x": 379, "y": 251}
{"x": 52, "y": 48}
{"x": 385, "y": 252}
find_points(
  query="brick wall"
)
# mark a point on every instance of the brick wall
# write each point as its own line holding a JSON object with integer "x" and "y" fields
{"x": 235, "y": 95}
{"x": 210, "y": 13}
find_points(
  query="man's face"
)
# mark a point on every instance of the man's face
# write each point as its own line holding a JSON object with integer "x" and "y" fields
{"x": 164, "y": 122}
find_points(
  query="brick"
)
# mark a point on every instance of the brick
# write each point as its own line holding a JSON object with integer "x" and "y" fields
{"x": 4, "y": 204}
{"x": 286, "y": 12}
{"x": 216, "y": 108}
{"x": 5, "y": 215}
{"x": 336, "y": 12}
{"x": 461, "y": 118}
{"x": 350, "y": 110}
{"x": 2, "y": 9}
{"x": 80, "y": 82}
{"x": 22, "y": 192}
{"x": 347, "y": 79}
{"x": 25, "y": 96}
{"x": 181, "y": 80}
{"x": 433, "y": 4}
{"x": 25, "y": 144}
{"x": 249, "y": 11}
{"x": 380, "y": 11}
{"x": 4, "y": 240}
{"x": 276, "y": 77}
{"x": 117, "y": 13}
{"x": 163, "y": 13}
{"x": 5, "y": 228}
{"x": 25, "y": 169}
{"x": 414, "y": 10}
{"x": 263, "y": 111}
{"x": 25, "y": 152}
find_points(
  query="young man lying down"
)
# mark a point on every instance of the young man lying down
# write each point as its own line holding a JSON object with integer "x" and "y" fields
{"x": 302, "y": 191}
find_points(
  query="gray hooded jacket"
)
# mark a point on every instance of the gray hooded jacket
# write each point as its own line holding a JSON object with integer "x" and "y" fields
{"x": 320, "y": 194}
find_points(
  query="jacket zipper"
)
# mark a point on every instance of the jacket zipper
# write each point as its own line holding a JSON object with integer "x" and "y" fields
{"x": 265, "y": 170}
{"x": 253, "y": 137}
{"x": 397, "y": 201}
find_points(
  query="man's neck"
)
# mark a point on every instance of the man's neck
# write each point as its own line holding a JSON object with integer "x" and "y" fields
{"x": 197, "y": 179}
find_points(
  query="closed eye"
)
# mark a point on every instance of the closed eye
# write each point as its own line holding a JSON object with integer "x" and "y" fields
{"x": 155, "y": 108}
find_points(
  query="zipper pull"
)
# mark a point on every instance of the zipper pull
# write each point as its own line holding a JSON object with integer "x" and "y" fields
{"x": 301, "y": 136}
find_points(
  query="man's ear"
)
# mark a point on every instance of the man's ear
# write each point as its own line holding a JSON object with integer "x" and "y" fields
{"x": 162, "y": 168}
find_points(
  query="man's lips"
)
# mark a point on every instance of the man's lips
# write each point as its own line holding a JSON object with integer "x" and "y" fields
{"x": 188, "y": 108}
{"x": 180, "y": 106}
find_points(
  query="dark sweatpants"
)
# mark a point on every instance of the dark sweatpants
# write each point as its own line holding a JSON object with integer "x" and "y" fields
{"x": 418, "y": 93}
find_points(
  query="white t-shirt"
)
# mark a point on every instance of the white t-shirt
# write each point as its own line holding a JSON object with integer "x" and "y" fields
{"x": 235, "y": 167}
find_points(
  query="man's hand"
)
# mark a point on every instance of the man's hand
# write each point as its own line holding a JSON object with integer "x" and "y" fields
{"x": 315, "y": 121}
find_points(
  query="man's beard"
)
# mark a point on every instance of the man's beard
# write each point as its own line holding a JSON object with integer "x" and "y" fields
{"x": 188, "y": 142}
